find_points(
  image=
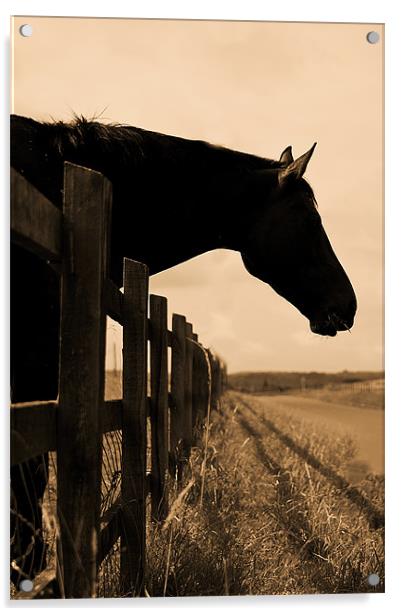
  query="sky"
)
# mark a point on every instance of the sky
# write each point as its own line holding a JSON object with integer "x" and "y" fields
{"x": 255, "y": 87}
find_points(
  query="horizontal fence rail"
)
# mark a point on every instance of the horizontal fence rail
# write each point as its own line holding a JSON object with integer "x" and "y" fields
{"x": 36, "y": 224}
{"x": 175, "y": 397}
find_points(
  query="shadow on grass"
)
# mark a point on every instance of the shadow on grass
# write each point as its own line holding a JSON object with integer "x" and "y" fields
{"x": 374, "y": 517}
{"x": 293, "y": 515}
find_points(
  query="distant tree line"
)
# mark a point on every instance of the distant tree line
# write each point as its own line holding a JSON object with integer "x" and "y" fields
{"x": 286, "y": 381}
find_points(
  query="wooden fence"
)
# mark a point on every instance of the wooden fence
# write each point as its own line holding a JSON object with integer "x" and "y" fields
{"x": 180, "y": 399}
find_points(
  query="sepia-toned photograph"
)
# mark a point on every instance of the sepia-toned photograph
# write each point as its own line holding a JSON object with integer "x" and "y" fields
{"x": 196, "y": 308}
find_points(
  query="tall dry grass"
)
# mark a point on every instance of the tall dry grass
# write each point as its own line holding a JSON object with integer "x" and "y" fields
{"x": 277, "y": 515}
{"x": 268, "y": 510}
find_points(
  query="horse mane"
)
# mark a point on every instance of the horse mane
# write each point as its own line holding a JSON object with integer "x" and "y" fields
{"x": 118, "y": 150}
{"x": 135, "y": 146}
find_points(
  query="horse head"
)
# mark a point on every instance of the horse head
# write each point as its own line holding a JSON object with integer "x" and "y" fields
{"x": 287, "y": 247}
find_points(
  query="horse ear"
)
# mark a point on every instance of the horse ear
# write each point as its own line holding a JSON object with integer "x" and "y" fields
{"x": 297, "y": 168}
{"x": 286, "y": 156}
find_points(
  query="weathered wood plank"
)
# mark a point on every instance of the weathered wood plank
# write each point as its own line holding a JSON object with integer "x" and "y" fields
{"x": 223, "y": 369}
{"x": 197, "y": 383}
{"x": 189, "y": 353}
{"x": 33, "y": 429}
{"x": 177, "y": 410}
{"x": 214, "y": 401}
{"x": 216, "y": 382}
{"x": 133, "y": 480}
{"x": 36, "y": 224}
{"x": 159, "y": 405}
{"x": 205, "y": 378}
{"x": 112, "y": 414}
{"x": 87, "y": 199}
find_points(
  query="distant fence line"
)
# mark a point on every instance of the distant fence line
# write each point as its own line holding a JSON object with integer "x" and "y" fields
{"x": 359, "y": 386}
{"x": 181, "y": 394}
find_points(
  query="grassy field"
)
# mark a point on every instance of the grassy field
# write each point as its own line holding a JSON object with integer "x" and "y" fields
{"x": 266, "y": 508}
{"x": 277, "y": 515}
{"x": 352, "y": 396}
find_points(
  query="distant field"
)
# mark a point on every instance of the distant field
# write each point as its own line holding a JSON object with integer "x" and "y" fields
{"x": 361, "y": 389}
{"x": 113, "y": 385}
{"x": 281, "y": 382}
{"x": 370, "y": 395}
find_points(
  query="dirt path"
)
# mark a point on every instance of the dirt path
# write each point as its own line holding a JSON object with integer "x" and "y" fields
{"x": 365, "y": 425}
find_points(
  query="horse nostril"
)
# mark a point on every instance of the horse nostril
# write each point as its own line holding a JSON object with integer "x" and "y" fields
{"x": 342, "y": 318}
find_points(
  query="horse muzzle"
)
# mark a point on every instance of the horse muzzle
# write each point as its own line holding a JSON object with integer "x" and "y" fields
{"x": 331, "y": 325}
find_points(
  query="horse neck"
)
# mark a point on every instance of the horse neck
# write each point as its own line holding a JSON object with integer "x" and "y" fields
{"x": 174, "y": 198}
{"x": 188, "y": 211}
{"x": 174, "y": 229}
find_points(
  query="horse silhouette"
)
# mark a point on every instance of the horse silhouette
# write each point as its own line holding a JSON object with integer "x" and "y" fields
{"x": 173, "y": 199}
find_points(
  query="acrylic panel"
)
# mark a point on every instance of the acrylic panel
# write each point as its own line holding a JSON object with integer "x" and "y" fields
{"x": 197, "y": 362}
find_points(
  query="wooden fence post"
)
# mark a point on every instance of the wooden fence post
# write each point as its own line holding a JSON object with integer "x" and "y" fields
{"x": 87, "y": 203}
{"x": 197, "y": 384}
{"x": 133, "y": 464}
{"x": 159, "y": 405}
{"x": 224, "y": 383}
{"x": 212, "y": 361}
{"x": 218, "y": 379}
{"x": 189, "y": 354}
{"x": 178, "y": 350}
{"x": 204, "y": 383}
